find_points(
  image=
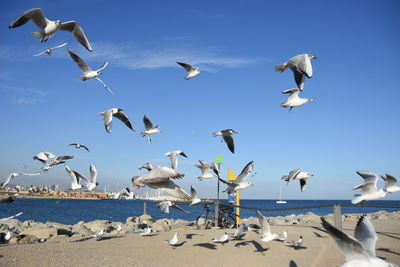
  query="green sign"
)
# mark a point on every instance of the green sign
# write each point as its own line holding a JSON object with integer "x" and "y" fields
{"x": 218, "y": 159}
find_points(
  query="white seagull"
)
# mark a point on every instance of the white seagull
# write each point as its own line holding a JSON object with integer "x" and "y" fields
{"x": 265, "y": 230}
{"x": 174, "y": 159}
{"x": 390, "y": 183}
{"x": 164, "y": 206}
{"x": 91, "y": 183}
{"x": 173, "y": 241}
{"x": 205, "y": 170}
{"x": 360, "y": 250}
{"x": 16, "y": 174}
{"x": 146, "y": 231}
{"x": 99, "y": 234}
{"x": 159, "y": 178}
{"x": 79, "y": 146}
{"x": 48, "y": 164}
{"x": 301, "y": 66}
{"x": 227, "y": 137}
{"x": 74, "y": 179}
{"x": 300, "y": 175}
{"x": 50, "y": 50}
{"x": 117, "y": 113}
{"x": 192, "y": 71}
{"x": 368, "y": 188}
{"x": 88, "y": 73}
{"x": 193, "y": 196}
{"x": 239, "y": 232}
{"x": 148, "y": 125}
{"x": 222, "y": 239}
{"x": 49, "y": 27}
{"x": 240, "y": 182}
{"x": 293, "y": 99}
{"x": 296, "y": 244}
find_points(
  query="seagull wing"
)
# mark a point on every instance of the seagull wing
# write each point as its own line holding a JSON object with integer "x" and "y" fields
{"x": 85, "y": 147}
{"x": 107, "y": 119}
{"x": 164, "y": 206}
{"x": 60, "y": 158}
{"x": 303, "y": 183}
{"x": 303, "y": 64}
{"x": 105, "y": 85}
{"x": 44, "y": 52}
{"x": 59, "y": 46}
{"x": 173, "y": 159}
{"x": 81, "y": 64}
{"x": 175, "y": 206}
{"x": 299, "y": 78}
{"x": 170, "y": 188}
{"x": 265, "y": 229}
{"x": 104, "y": 66}
{"x": 77, "y": 32}
{"x": 365, "y": 233}
{"x": 193, "y": 194}
{"x": 187, "y": 67}
{"x": 81, "y": 176}
{"x": 370, "y": 181}
{"x": 389, "y": 180}
{"x": 147, "y": 123}
{"x": 245, "y": 172}
{"x": 161, "y": 173}
{"x": 229, "y": 141}
{"x": 350, "y": 247}
{"x": 74, "y": 179}
{"x": 226, "y": 182}
{"x": 35, "y": 14}
{"x": 293, "y": 174}
{"x": 93, "y": 173}
{"x": 124, "y": 118}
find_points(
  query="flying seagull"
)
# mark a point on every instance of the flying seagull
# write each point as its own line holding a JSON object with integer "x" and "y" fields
{"x": 159, "y": 178}
{"x": 148, "y": 125}
{"x": 16, "y": 174}
{"x": 74, "y": 179}
{"x": 192, "y": 71}
{"x": 79, "y": 146}
{"x": 240, "y": 182}
{"x": 265, "y": 229}
{"x": 91, "y": 183}
{"x": 360, "y": 250}
{"x": 193, "y": 196}
{"x": 49, "y": 27}
{"x": 227, "y": 137}
{"x": 368, "y": 188}
{"x": 239, "y": 232}
{"x": 174, "y": 159}
{"x": 49, "y": 51}
{"x": 88, "y": 73}
{"x": 300, "y": 175}
{"x": 205, "y": 170}
{"x": 390, "y": 183}
{"x": 44, "y": 156}
{"x": 117, "y": 113}
{"x": 123, "y": 192}
{"x": 47, "y": 159}
{"x": 164, "y": 206}
{"x": 293, "y": 99}
{"x": 301, "y": 66}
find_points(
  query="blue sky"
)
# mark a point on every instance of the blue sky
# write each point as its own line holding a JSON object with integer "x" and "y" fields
{"x": 352, "y": 124}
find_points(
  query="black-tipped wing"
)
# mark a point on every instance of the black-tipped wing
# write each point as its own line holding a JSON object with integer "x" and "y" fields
{"x": 77, "y": 32}
{"x": 85, "y": 147}
{"x": 229, "y": 141}
{"x": 303, "y": 183}
{"x": 81, "y": 64}
{"x": 226, "y": 182}
{"x": 147, "y": 123}
{"x": 187, "y": 67}
{"x": 35, "y": 14}
{"x": 365, "y": 233}
{"x": 245, "y": 172}
{"x": 124, "y": 118}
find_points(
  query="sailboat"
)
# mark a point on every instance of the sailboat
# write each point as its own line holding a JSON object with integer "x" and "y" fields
{"x": 280, "y": 201}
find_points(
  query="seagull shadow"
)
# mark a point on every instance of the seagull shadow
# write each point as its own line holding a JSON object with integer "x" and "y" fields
{"x": 389, "y": 234}
{"x": 178, "y": 245}
{"x": 296, "y": 247}
{"x": 243, "y": 243}
{"x": 292, "y": 264}
{"x": 189, "y": 236}
{"x": 258, "y": 246}
{"x": 388, "y": 251}
{"x": 82, "y": 239}
{"x": 206, "y": 245}
{"x": 149, "y": 235}
{"x": 108, "y": 237}
{"x": 318, "y": 235}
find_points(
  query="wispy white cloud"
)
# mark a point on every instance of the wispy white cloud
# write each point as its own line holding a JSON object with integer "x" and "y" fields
{"x": 24, "y": 95}
{"x": 24, "y": 100}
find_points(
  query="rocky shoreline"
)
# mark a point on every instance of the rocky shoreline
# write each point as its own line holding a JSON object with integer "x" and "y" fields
{"x": 31, "y": 231}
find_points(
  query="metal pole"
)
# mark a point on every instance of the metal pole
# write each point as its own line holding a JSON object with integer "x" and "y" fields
{"x": 144, "y": 208}
{"x": 217, "y": 202}
{"x": 337, "y": 212}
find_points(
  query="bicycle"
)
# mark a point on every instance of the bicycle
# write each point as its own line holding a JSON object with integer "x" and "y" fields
{"x": 226, "y": 218}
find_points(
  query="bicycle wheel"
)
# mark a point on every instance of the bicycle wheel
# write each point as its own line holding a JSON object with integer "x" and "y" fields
{"x": 205, "y": 221}
{"x": 227, "y": 219}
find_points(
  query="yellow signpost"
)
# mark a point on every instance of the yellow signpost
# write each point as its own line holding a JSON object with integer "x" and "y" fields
{"x": 232, "y": 177}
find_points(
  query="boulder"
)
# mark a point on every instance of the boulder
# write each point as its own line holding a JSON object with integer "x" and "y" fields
{"x": 180, "y": 223}
{"x": 39, "y": 232}
{"x": 292, "y": 221}
{"x": 27, "y": 239}
{"x": 99, "y": 224}
{"x": 277, "y": 221}
{"x": 161, "y": 225}
{"x": 12, "y": 224}
{"x": 80, "y": 230}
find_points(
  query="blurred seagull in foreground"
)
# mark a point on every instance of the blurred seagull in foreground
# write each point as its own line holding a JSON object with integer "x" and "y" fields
{"x": 193, "y": 196}
{"x": 148, "y": 125}
{"x": 300, "y": 175}
{"x": 174, "y": 159}
{"x": 192, "y": 71}
{"x": 117, "y": 113}
{"x": 49, "y": 51}
{"x": 240, "y": 182}
{"x": 88, "y": 73}
{"x": 390, "y": 183}
{"x": 360, "y": 250}
{"x": 293, "y": 99}
{"x": 16, "y": 174}
{"x": 368, "y": 188}
{"x": 164, "y": 206}
{"x": 49, "y": 27}
{"x": 205, "y": 170}
{"x": 227, "y": 137}
{"x": 222, "y": 239}
{"x": 301, "y": 66}
{"x": 79, "y": 146}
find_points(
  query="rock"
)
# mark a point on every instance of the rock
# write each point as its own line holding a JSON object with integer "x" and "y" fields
{"x": 132, "y": 220}
{"x": 251, "y": 220}
{"x": 277, "y": 221}
{"x": 180, "y": 223}
{"x": 292, "y": 221}
{"x": 40, "y": 232}
{"x": 161, "y": 225}
{"x": 129, "y": 228}
{"x": 311, "y": 214}
{"x": 12, "y": 224}
{"x": 80, "y": 230}
{"x": 27, "y": 239}
{"x": 28, "y": 223}
{"x": 308, "y": 218}
{"x": 99, "y": 224}
{"x": 291, "y": 216}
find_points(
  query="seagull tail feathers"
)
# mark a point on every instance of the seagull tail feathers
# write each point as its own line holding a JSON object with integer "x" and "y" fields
{"x": 38, "y": 35}
{"x": 280, "y": 68}
{"x": 356, "y": 199}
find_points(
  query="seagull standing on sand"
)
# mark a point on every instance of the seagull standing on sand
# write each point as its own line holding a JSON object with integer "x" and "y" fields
{"x": 239, "y": 232}
{"x": 148, "y": 125}
{"x": 117, "y": 113}
{"x": 205, "y": 170}
{"x": 368, "y": 188}
{"x": 193, "y": 196}
{"x": 240, "y": 182}
{"x": 227, "y": 137}
{"x": 5, "y": 237}
{"x": 300, "y": 175}
{"x": 16, "y": 174}
{"x": 79, "y": 146}
{"x": 293, "y": 99}
{"x": 301, "y": 67}
{"x": 390, "y": 183}
{"x": 49, "y": 27}
{"x": 222, "y": 239}
{"x": 296, "y": 244}
{"x": 74, "y": 179}
{"x": 192, "y": 71}
{"x": 159, "y": 178}
{"x": 49, "y": 51}
{"x": 265, "y": 229}
{"x": 360, "y": 250}
{"x": 173, "y": 241}
{"x": 99, "y": 234}
{"x": 91, "y": 183}
{"x": 164, "y": 206}
{"x": 146, "y": 231}
{"x": 88, "y": 73}
{"x": 174, "y": 159}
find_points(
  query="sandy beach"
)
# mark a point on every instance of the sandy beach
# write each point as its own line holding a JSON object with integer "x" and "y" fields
{"x": 198, "y": 249}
